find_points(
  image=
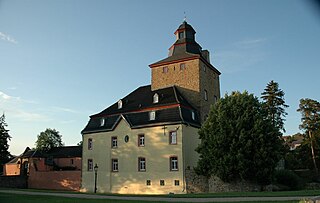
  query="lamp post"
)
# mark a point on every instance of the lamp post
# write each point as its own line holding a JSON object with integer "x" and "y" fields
{"x": 95, "y": 178}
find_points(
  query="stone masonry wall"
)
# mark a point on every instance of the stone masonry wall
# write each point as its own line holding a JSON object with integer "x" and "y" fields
{"x": 196, "y": 183}
{"x": 13, "y": 181}
{"x": 217, "y": 185}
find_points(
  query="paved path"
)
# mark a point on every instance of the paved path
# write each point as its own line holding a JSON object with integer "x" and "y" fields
{"x": 162, "y": 199}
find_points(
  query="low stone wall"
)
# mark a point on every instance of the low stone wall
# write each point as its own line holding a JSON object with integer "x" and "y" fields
{"x": 217, "y": 185}
{"x": 196, "y": 183}
{"x": 13, "y": 181}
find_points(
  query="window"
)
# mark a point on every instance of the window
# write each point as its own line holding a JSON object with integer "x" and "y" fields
{"x": 71, "y": 161}
{"x": 90, "y": 144}
{"x": 204, "y": 68}
{"x": 173, "y": 137}
{"x": 115, "y": 165}
{"x": 142, "y": 164}
{"x": 114, "y": 142}
{"x": 182, "y": 66}
{"x": 193, "y": 116}
{"x": 181, "y": 35}
{"x": 162, "y": 182}
{"x": 90, "y": 165}
{"x": 119, "y": 104}
{"x": 155, "y": 98}
{"x": 176, "y": 182}
{"x": 102, "y": 122}
{"x": 165, "y": 69}
{"x": 148, "y": 182}
{"x": 173, "y": 163}
{"x": 215, "y": 99}
{"x": 152, "y": 115}
{"x": 126, "y": 138}
{"x": 141, "y": 140}
{"x": 205, "y": 95}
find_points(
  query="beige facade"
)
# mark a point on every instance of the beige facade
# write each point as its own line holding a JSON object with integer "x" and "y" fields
{"x": 156, "y": 152}
{"x": 195, "y": 79}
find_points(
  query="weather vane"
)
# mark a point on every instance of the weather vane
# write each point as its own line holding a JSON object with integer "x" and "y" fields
{"x": 185, "y": 17}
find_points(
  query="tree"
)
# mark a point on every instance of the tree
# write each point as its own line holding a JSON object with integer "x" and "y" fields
{"x": 48, "y": 139}
{"x": 274, "y": 104}
{"x": 238, "y": 141}
{"x": 310, "y": 112}
{"x": 4, "y": 146}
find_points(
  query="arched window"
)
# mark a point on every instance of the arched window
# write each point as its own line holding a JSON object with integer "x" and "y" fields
{"x": 155, "y": 98}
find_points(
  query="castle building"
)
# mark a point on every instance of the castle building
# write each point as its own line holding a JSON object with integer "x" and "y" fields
{"x": 145, "y": 142}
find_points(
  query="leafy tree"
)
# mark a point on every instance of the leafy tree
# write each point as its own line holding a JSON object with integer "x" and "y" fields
{"x": 310, "y": 111}
{"x": 274, "y": 104}
{"x": 48, "y": 139}
{"x": 4, "y": 146}
{"x": 238, "y": 141}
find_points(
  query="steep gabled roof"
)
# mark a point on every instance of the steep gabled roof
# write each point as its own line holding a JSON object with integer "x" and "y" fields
{"x": 171, "y": 108}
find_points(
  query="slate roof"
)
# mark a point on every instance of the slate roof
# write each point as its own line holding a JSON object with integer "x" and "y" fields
{"x": 172, "y": 108}
{"x": 56, "y": 152}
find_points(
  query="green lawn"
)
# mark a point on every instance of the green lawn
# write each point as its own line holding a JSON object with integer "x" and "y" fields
{"x": 14, "y": 198}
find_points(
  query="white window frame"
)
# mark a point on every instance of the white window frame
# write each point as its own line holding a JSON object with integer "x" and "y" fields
{"x": 173, "y": 137}
{"x": 155, "y": 98}
{"x": 141, "y": 140}
{"x": 142, "y": 162}
{"x": 115, "y": 165}
{"x": 174, "y": 163}
{"x": 193, "y": 115}
{"x": 120, "y": 104}
{"x": 152, "y": 115}
{"x": 102, "y": 122}
{"x": 114, "y": 142}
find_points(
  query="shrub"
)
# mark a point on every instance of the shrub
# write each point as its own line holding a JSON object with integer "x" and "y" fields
{"x": 289, "y": 179}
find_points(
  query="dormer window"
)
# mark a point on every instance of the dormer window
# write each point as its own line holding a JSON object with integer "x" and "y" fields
{"x": 193, "y": 116}
{"x": 120, "y": 104}
{"x": 102, "y": 121}
{"x": 155, "y": 98}
{"x": 152, "y": 115}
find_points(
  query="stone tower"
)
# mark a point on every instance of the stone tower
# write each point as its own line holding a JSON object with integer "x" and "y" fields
{"x": 188, "y": 67}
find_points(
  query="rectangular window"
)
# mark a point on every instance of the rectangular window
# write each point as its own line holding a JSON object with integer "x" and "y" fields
{"x": 115, "y": 165}
{"x": 141, "y": 140}
{"x": 182, "y": 66}
{"x": 173, "y": 163}
{"x": 148, "y": 182}
{"x": 165, "y": 69}
{"x": 193, "y": 115}
{"x": 204, "y": 68}
{"x": 152, "y": 115}
{"x": 176, "y": 182}
{"x": 142, "y": 164}
{"x": 215, "y": 99}
{"x": 173, "y": 137}
{"x": 205, "y": 95}
{"x": 90, "y": 164}
{"x": 181, "y": 35}
{"x": 90, "y": 144}
{"x": 114, "y": 142}
{"x": 71, "y": 161}
{"x": 162, "y": 182}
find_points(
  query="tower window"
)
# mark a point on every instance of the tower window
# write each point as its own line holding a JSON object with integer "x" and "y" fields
{"x": 205, "y": 95}
{"x": 114, "y": 142}
{"x": 142, "y": 164}
{"x": 152, "y": 115}
{"x": 173, "y": 163}
{"x": 90, "y": 164}
{"x": 141, "y": 140}
{"x": 165, "y": 69}
{"x": 155, "y": 98}
{"x": 181, "y": 35}
{"x": 120, "y": 104}
{"x": 204, "y": 68}
{"x": 173, "y": 137}
{"x": 115, "y": 165}
{"x": 90, "y": 144}
{"x": 215, "y": 99}
{"x": 182, "y": 66}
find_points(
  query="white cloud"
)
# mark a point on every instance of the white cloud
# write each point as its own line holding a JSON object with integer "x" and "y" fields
{"x": 7, "y": 38}
{"x": 65, "y": 109}
{"x": 6, "y": 97}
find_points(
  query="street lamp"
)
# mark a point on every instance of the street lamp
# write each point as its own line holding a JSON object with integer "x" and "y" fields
{"x": 95, "y": 178}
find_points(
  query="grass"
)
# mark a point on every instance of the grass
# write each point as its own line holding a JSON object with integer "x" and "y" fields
{"x": 17, "y": 198}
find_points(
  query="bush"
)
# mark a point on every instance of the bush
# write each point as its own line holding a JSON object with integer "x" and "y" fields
{"x": 289, "y": 179}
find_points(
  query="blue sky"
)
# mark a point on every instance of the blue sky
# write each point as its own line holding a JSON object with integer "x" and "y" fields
{"x": 62, "y": 61}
